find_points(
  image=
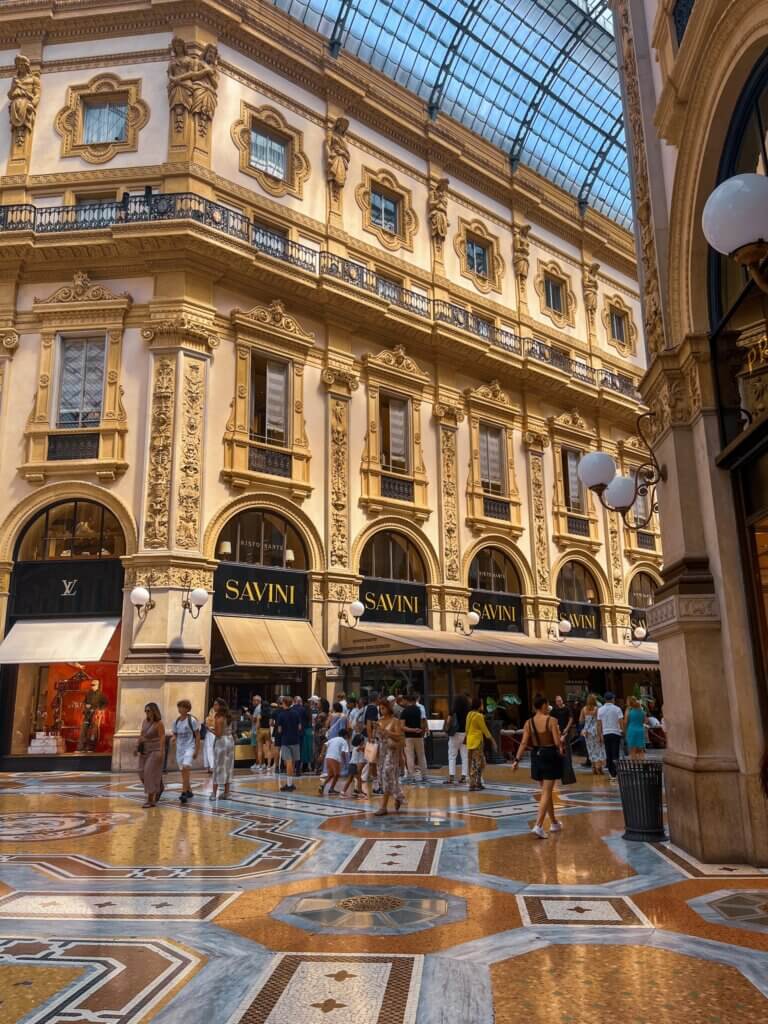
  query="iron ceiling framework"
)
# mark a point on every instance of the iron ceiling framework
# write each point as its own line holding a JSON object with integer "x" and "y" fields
{"x": 537, "y": 78}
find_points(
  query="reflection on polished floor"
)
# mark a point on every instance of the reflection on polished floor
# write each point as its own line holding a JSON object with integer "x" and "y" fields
{"x": 271, "y": 908}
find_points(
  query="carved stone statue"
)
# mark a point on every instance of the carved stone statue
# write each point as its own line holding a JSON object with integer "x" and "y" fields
{"x": 337, "y": 155}
{"x": 438, "y": 210}
{"x": 24, "y": 96}
{"x": 193, "y": 82}
{"x": 521, "y": 251}
{"x": 589, "y": 288}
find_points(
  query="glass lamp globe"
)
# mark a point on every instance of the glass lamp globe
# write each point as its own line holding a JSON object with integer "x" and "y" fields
{"x": 356, "y": 609}
{"x": 139, "y": 597}
{"x": 640, "y": 632}
{"x": 596, "y": 470}
{"x": 198, "y": 597}
{"x": 736, "y": 214}
{"x": 473, "y": 619}
{"x": 620, "y": 493}
{"x": 564, "y": 626}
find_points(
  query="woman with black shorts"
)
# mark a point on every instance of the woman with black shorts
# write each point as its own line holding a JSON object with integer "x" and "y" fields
{"x": 542, "y": 735}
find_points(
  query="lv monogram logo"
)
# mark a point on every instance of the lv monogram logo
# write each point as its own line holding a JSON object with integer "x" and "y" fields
{"x": 69, "y": 588}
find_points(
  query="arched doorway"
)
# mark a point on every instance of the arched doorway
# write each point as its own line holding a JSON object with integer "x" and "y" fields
{"x": 579, "y": 597}
{"x": 61, "y": 650}
{"x": 496, "y": 591}
{"x": 394, "y": 580}
{"x": 262, "y": 640}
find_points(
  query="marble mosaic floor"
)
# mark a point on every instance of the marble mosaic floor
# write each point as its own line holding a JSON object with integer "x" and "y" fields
{"x": 299, "y": 909}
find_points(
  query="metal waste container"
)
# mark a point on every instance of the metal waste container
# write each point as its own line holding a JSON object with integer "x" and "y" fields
{"x": 641, "y": 800}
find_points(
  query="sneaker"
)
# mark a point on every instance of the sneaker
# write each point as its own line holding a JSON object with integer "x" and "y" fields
{"x": 556, "y": 826}
{"x": 189, "y": 794}
{"x": 183, "y": 798}
{"x": 287, "y": 789}
{"x": 449, "y": 781}
{"x": 254, "y": 768}
{"x": 539, "y": 832}
{"x": 463, "y": 779}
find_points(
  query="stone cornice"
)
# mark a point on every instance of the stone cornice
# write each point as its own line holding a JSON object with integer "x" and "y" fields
{"x": 270, "y": 37}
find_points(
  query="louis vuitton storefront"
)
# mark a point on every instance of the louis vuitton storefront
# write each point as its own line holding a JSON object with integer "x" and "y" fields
{"x": 59, "y": 657}
{"x": 262, "y": 637}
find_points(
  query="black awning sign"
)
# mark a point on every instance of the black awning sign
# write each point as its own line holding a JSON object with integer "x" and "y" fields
{"x": 498, "y": 611}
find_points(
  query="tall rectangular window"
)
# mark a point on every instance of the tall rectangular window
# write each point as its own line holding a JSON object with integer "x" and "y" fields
{"x": 477, "y": 258}
{"x": 105, "y": 121}
{"x": 642, "y": 505}
{"x": 574, "y": 492}
{"x": 81, "y": 382}
{"x": 269, "y": 387}
{"x": 269, "y": 154}
{"x": 492, "y": 459}
{"x": 618, "y": 325}
{"x": 553, "y": 294}
{"x": 384, "y": 211}
{"x": 393, "y": 416}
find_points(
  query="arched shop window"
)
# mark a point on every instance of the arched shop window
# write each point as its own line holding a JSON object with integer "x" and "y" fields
{"x": 494, "y": 571}
{"x": 642, "y": 591}
{"x": 258, "y": 537}
{"x": 576, "y": 583}
{"x": 391, "y": 556}
{"x": 72, "y": 529}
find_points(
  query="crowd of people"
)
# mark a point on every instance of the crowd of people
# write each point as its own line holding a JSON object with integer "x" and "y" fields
{"x": 373, "y": 745}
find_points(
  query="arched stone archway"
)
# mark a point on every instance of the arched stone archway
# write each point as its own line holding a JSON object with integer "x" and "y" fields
{"x": 397, "y": 525}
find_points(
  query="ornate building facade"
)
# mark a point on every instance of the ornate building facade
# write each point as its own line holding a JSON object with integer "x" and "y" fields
{"x": 696, "y": 84}
{"x": 270, "y": 332}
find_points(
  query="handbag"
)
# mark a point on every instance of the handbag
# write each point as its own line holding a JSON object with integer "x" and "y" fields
{"x": 569, "y": 775}
{"x": 371, "y": 752}
{"x": 450, "y": 728}
{"x": 140, "y": 747}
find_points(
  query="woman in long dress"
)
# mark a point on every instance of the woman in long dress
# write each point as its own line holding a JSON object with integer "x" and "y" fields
{"x": 223, "y": 749}
{"x": 391, "y": 741}
{"x": 592, "y": 731}
{"x": 209, "y": 740}
{"x": 150, "y": 749}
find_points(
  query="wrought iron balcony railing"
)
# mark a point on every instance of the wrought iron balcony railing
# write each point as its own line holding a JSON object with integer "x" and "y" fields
{"x": 396, "y": 487}
{"x": 495, "y": 508}
{"x": 189, "y": 206}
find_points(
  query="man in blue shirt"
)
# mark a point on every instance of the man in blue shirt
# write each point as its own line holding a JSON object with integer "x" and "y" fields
{"x": 289, "y": 728}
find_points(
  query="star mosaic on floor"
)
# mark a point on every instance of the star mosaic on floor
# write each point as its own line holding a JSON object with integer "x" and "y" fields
{"x": 269, "y": 907}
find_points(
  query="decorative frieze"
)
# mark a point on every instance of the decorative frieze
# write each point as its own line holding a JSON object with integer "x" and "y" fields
{"x": 190, "y": 455}
{"x": 159, "y": 475}
{"x": 339, "y": 460}
{"x": 182, "y": 330}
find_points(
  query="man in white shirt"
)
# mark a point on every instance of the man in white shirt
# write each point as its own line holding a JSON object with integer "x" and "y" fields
{"x": 611, "y": 719}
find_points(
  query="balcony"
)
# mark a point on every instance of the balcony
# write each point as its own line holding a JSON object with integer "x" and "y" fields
{"x": 646, "y": 541}
{"x": 187, "y": 206}
{"x": 495, "y": 508}
{"x": 269, "y": 460}
{"x": 71, "y": 447}
{"x": 400, "y": 488}
{"x": 578, "y": 526}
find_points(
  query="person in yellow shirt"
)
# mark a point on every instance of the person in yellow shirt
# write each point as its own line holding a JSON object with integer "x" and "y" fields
{"x": 477, "y": 733}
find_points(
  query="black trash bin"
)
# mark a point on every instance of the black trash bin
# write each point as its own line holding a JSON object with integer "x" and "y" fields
{"x": 640, "y": 787}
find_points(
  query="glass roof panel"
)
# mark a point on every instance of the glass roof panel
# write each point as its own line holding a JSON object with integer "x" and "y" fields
{"x": 537, "y": 78}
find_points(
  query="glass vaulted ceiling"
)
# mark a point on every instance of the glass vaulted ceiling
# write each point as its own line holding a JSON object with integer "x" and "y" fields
{"x": 537, "y": 78}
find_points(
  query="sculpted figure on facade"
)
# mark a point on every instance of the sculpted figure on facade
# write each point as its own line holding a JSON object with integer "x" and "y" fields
{"x": 23, "y": 97}
{"x": 589, "y": 289}
{"x": 438, "y": 213}
{"x": 193, "y": 82}
{"x": 337, "y": 156}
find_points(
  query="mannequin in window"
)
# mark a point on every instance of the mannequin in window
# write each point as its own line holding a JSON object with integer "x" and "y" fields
{"x": 94, "y": 703}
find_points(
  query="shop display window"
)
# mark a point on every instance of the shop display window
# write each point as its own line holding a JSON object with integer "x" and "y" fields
{"x": 74, "y": 529}
{"x": 255, "y": 537}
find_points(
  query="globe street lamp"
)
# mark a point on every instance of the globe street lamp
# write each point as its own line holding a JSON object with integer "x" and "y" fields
{"x": 735, "y": 223}
{"x": 597, "y": 471}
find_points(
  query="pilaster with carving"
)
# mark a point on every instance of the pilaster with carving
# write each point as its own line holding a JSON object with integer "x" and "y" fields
{"x": 83, "y": 306}
{"x": 190, "y": 466}
{"x": 157, "y": 505}
{"x": 437, "y": 214}
{"x": 449, "y": 415}
{"x": 536, "y": 441}
{"x": 341, "y": 381}
{"x": 23, "y": 101}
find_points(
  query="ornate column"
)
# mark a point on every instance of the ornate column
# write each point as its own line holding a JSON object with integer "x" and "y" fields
{"x": 536, "y": 441}
{"x": 167, "y": 650}
{"x": 449, "y": 414}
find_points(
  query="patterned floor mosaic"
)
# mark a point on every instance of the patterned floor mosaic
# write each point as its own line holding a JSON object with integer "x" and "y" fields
{"x": 270, "y": 908}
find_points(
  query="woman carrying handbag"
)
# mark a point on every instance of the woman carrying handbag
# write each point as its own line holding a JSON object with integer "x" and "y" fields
{"x": 542, "y": 735}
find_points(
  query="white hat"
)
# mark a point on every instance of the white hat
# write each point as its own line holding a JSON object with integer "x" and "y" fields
{"x": 391, "y": 696}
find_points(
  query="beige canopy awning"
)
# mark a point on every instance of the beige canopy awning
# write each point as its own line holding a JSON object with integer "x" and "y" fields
{"x": 42, "y": 642}
{"x": 281, "y": 643}
{"x": 383, "y": 644}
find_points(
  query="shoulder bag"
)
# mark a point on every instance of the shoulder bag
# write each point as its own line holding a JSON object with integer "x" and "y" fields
{"x": 371, "y": 752}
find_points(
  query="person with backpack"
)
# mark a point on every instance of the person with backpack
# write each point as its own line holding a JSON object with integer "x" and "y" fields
{"x": 186, "y": 737}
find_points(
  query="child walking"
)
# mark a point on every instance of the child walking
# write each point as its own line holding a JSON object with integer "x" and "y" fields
{"x": 186, "y": 736}
{"x": 337, "y": 750}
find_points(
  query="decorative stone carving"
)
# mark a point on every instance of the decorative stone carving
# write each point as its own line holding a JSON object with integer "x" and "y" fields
{"x": 193, "y": 83}
{"x": 82, "y": 290}
{"x": 572, "y": 419}
{"x": 9, "y": 341}
{"x": 179, "y": 576}
{"x": 340, "y": 378}
{"x": 180, "y": 330}
{"x": 492, "y": 392}
{"x": 23, "y": 100}
{"x": 342, "y": 592}
{"x": 539, "y": 513}
{"x": 337, "y": 157}
{"x": 274, "y": 315}
{"x": 450, "y": 512}
{"x": 437, "y": 206}
{"x": 448, "y": 412}
{"x": 521, "y": 250}
{"x": 191, "y": 455}
{"x": 617, "y": 568}
{"x": 652, "y": 314}
{"x": 535, "y": 440}
{"x": 339, "y": 459}
{"x": 670, "y": 405}
{"x": 397, "y": 359}
{"x": 589, "y": 290}
{"x": 156, "y": 515}
{"x": 70, "y": 120}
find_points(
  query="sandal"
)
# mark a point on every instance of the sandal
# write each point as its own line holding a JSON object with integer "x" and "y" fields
{"x": 147, "y": 804}
{"x": 380, "y": 814}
